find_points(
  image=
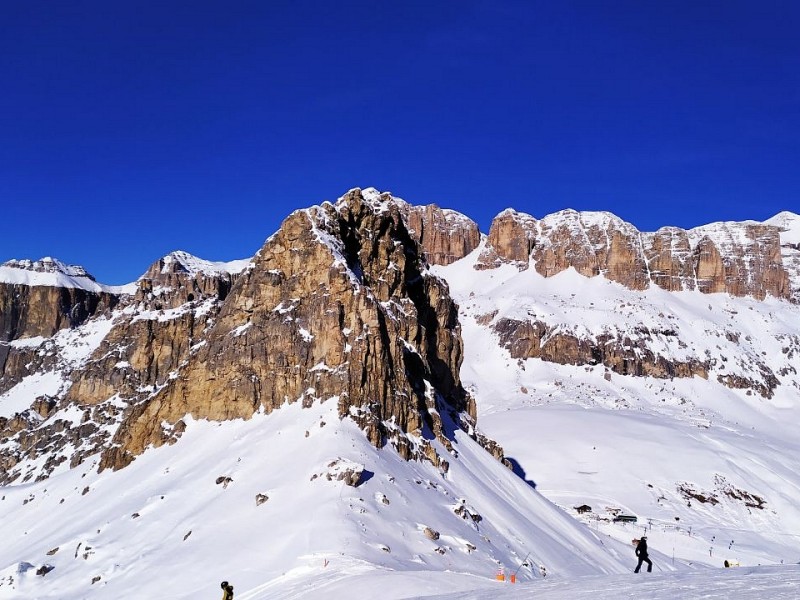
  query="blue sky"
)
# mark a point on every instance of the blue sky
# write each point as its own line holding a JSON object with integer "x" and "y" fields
{"x": 131, "y": 129}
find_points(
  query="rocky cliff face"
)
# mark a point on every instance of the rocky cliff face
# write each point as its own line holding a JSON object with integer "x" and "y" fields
{"x": 102, "y": 367}
{"x": 742, "y": 259}
{"x": 626, "y": 354}
{"x": 445, "y": 235}
{"x": 61, "y": 296}
{"x": 338, "y": 306}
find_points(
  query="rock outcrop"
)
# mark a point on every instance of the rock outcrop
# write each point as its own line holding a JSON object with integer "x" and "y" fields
{"x": 742, "y": 259}
{"x": 179, "y": 278}
{"x": 337, "y": 306}
{"x": 511, "y": 240}
{"x": 38, "y": 298}
{"x": 150, "y": 336}
{"x": 445, "y": 235}
{"x": 626, "y": 355}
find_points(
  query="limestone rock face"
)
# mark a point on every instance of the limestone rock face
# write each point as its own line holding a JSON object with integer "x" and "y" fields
{"x": 668, "y": 254}
{"x": 339, "y": 306}
{"x": 15, "y": 363}
{"x": 150, "y": 334}
{"x": 445, "y": 235}
{"x": 41, "y": 311}
{"x": 511, "y": 239}
{"x": 180, "y": 277}
{"x": 625, "y": 355}
{"x": 742, "y": 259}
{"x": 137, "y": 354}
{"x": 788, "y": 225}
{"x": 38, "y": 298}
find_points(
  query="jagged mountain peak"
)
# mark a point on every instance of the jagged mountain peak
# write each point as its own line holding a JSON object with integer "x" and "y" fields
{"x": 371, "y": 197}
{"x": 183, "y": 262}
{"x": 515, "y": 215}
{"x": 341, "y": 352}
{"x": 339, "y": 304}
{"x": 445, "y": 235}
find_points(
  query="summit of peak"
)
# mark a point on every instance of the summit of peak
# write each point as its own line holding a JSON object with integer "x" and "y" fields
{"x": 49, "y": 272}
{"x": 180, "y": 261}
{"x": 48, "y": 264}
{"x": 789, "y": 224}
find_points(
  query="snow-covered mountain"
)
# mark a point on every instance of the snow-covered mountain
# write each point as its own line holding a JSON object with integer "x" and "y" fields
{"x": 303, "y": 423}
{"x": 702, "y": 454}
{"x": 47, "y": 271}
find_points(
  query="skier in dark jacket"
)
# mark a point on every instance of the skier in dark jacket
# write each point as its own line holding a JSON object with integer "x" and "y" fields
{"x": 641, "y": 552}
{"x": 227, "y": 590}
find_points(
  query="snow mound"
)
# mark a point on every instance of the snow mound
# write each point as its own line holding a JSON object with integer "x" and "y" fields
{"x": 789, "y": 224}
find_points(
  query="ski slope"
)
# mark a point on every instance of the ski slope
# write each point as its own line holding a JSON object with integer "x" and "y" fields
{"x": 636, "y": 445}
{"x": 164, "y": 526}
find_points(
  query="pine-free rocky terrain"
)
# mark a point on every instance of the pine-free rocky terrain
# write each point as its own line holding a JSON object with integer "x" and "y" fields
{"x": 385, "y": 401}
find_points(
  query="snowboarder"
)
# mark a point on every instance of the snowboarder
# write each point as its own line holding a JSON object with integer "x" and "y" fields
{"x": 227, "y": 590}
{"x": 641, "y": 552}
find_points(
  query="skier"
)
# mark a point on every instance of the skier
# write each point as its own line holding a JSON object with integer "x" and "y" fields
{"x": 227, "y": 590}
{"x": 641, "y": 552}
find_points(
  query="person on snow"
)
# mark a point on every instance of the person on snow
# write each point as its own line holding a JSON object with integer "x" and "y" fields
{"x": 641, "y": 552}
{"x": 227, "y": 590}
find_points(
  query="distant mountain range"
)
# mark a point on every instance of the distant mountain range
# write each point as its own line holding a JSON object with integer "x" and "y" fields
{"x": 383, "y": 387}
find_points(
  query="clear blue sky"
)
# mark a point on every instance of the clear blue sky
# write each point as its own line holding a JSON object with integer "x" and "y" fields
{"x": 129, "y": 129}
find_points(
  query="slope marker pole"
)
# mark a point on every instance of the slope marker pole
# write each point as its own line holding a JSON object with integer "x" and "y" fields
{"x": 520, "y": 566}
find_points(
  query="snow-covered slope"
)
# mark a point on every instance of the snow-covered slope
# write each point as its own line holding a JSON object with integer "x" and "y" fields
{"x": 51, "y": 272}
{"x": 706, "y": 468}
{"x": 182, "y": 518}
{"x": 68, "y": 350}
{"x": 180, "y": 261}
{"x": 789, "y": 223}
